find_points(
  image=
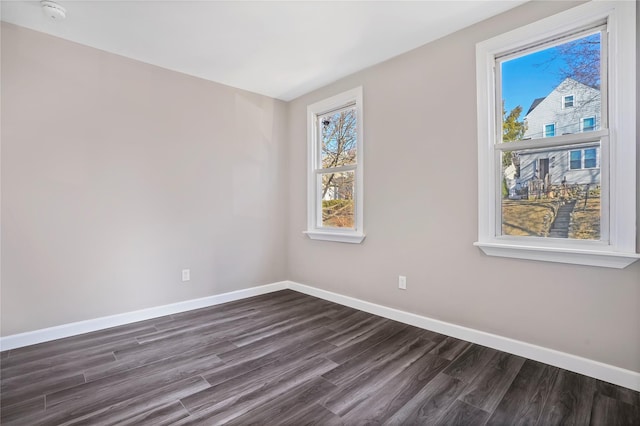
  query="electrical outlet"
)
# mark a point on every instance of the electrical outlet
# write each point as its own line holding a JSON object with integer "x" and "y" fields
{"x": 402, "y": 282}
{"x": 186, "y": 274}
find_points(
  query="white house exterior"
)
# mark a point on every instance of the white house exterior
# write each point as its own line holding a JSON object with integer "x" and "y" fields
{"x": 571, "y": 107}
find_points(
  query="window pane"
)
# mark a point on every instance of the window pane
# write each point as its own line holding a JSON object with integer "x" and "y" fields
{"x": 568, "y": 101}
{"x": 338, "y": 133}
{"x": 589, "y": 158}
{"x": 337, "y": 199}
{"x": 589, "y": 124}
{"x": 549, "y": 130}
{"x": 575, "y": 161}
{"x": 543, "y": 196}
{"x": 559, "y": 84}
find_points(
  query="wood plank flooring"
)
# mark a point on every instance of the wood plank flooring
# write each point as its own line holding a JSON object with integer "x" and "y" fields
{"x": 289, "y": 358}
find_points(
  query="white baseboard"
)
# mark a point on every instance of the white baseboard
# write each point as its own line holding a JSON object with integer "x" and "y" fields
{"x": 608, "y": 373}
{"x": 72, "y": 329}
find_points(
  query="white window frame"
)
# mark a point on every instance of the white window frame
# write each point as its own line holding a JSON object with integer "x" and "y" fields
{"x": 617, "y": 150}
{"x": 580, "y": 150}
{"x": 586, "y": 118}
{"x": 583, "y": 158}
{"x": 573, "y": 101}
{"x": 544, "y": 130}
{"x": 570, "y": 160}
{"x": 315, "y": 230}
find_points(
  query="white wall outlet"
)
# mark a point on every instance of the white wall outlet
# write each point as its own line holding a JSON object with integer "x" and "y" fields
{"x": 186, "y": 274}
{"x": 402, "y": 282}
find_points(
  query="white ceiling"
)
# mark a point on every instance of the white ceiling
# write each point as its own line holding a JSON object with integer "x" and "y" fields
{"x": 281, "y": 49}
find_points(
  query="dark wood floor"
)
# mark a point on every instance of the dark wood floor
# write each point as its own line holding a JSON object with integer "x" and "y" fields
{"x": 288, "y": 358}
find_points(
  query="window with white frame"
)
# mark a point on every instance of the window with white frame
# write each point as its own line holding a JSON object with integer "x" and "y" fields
{"x": 575, "y": 159}
{"x": 549, "y": 130}
{"x": 589, "y": 78}
{"x": 583, "y": 158}
{"x": 588, "y": 124}
{"x": 335, "y": 168}
{"x": 567, "y": 101}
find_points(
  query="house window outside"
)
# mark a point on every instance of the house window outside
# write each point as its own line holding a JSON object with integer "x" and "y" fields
{"x": 567, "y": 101}
{"x": 549, "y": 130}
{"x": 588, "y": 124}
{"x": 335, "y": 169}
{"x": 583, "y": 159}
{"x": 590, "y": 158}
{"x": 576, "y": 160}
{"x": 529, "y": 165}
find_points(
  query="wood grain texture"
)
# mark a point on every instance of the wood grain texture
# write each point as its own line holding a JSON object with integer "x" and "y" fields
{"x": 488, "y": 388}
{"x": 289, "y": 358}
{"x": 525, "y": 398}
{"x": 570, "y": 400}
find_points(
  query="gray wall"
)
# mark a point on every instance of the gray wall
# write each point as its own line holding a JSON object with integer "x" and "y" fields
{"x": 421, "y": 215}
{"x": 116, "y": 175}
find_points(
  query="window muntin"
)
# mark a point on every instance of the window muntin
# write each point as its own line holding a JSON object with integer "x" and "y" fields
{"x": 335, "y": 184}
{"x": 616, "y": 149}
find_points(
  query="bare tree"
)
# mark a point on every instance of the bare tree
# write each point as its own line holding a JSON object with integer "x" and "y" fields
{"x": 339, "y": 141}
{"x": 582, "y": 60}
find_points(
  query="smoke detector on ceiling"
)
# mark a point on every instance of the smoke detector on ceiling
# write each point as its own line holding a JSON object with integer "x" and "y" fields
{"x": 53, "y": 10}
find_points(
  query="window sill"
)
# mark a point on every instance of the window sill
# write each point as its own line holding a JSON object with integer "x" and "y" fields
{"x": 606, "y": 259}
{"x": 340, "y": 237}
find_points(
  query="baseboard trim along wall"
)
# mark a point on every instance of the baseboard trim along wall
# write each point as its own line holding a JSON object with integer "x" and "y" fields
{"x": 608, "y": 373}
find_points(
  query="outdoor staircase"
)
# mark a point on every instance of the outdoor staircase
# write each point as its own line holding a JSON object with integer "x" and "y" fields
{"x": 560, "y": 225}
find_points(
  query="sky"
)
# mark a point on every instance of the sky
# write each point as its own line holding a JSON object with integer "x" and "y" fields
{"x": 531, "y": 76}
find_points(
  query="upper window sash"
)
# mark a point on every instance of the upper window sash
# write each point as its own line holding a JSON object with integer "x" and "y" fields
{"x": 323, "y": 122}
{"x": 597, "y": 26}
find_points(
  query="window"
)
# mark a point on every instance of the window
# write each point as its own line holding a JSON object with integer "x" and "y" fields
{"x": 574, "y": 145}
{"x": 576, "y": 160}
{"x": 588, "y": 124}
{"x": 335, "y": 169}
{"x": 590, "y": 158}
{"x": 583, "y": 159}
{"x": 567, "y": 101}
{"x": 549, "y": 130}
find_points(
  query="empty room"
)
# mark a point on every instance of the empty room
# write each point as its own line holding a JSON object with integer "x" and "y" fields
{"x": 319, "y": 212}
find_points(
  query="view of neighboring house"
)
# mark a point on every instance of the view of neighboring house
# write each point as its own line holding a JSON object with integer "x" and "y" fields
{"x": 571, "y": 107}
